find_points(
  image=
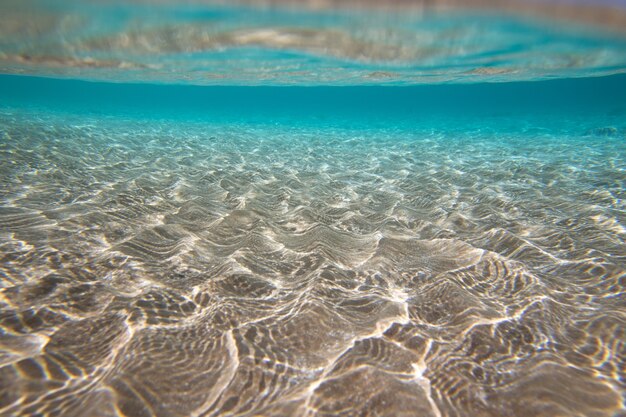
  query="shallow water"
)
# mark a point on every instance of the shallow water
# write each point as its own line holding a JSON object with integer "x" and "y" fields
{"x": 440, "y": 249}
{"x": 216, "y": 44}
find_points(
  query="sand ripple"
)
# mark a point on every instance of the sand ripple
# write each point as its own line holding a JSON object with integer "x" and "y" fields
{"x": 179, "y": 270}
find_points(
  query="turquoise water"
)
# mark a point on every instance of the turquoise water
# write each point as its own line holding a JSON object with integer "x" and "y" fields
{"x": 203, "y": 43}
{"x": 301, "y": 237}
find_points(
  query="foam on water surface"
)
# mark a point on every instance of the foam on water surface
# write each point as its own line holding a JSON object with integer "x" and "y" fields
{"x": 439, "y": 249}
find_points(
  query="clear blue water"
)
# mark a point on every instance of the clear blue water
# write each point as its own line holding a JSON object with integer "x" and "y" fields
{"x": 221, "y": 211}
{"x": 202, "y": 43}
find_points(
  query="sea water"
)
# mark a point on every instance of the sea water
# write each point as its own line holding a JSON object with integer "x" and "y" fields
{"x": 220, "y": 211}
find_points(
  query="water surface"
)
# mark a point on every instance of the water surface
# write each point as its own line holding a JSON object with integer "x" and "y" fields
{"x": 311, "y": 244}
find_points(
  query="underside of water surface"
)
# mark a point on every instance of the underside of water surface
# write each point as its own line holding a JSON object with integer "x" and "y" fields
{"x": 226, "y": 210}
{"x": 207, "y": 43}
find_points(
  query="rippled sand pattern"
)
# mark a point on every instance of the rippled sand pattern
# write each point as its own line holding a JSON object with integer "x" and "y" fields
{"x": 157, "y": 269}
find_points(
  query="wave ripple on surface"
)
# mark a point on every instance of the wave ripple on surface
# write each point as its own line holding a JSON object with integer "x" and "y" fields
{"x": 233, "y": 43}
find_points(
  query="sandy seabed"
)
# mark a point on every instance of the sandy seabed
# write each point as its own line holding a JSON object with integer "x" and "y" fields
{"x": 153, "y": 268}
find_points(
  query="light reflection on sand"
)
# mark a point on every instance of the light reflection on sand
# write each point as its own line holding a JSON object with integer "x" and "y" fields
{"x": 196, "y": 269}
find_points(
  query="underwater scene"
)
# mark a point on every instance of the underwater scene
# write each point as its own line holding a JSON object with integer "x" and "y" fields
{"x": 317, "y": 208}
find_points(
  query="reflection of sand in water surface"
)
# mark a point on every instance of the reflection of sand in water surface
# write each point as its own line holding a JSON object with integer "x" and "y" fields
{"x": 406, "y": 44}
{"x": 606, "y": 14}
